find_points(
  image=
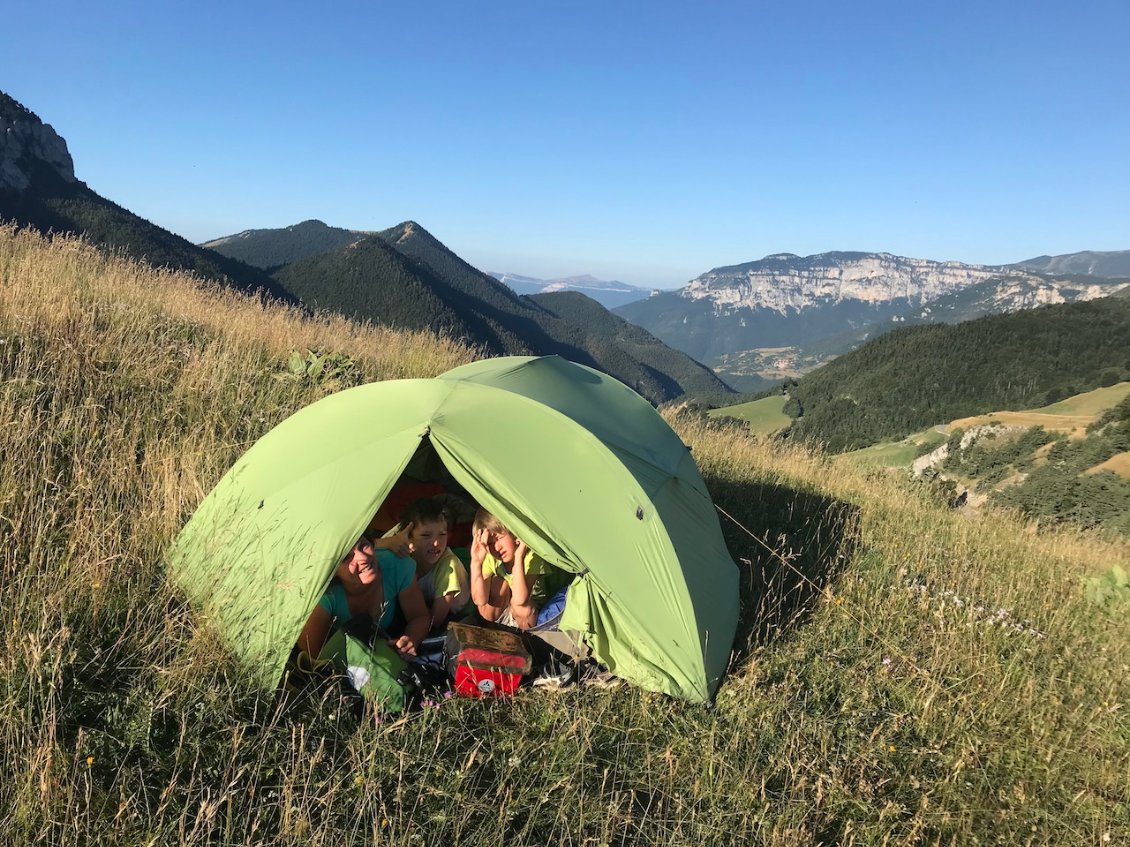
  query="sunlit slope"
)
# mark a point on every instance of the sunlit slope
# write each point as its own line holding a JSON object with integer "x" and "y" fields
{"x": 918, "y": 377}
{"x": 764, "y": 416}
{"x": 903, "y": 674}
{"x": 1070, "y": 416}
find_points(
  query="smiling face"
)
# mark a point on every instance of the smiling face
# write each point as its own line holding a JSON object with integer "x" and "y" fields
{"x": 428, "y": 540}
{"x": 502, "y": 545}
{"x": 358, "y": 567}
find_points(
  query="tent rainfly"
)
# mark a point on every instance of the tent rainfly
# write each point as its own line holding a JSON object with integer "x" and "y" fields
{"x": 577, "y": 464}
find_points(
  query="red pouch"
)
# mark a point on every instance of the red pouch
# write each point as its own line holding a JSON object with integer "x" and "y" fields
{"x": 485, "y": 662}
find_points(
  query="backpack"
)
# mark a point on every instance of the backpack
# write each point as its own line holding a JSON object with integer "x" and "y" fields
{"x": 373, "y": 670}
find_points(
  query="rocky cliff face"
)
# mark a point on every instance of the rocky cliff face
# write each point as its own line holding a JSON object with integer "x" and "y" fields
{"x": 1009, "y": 294}
{"x": 27, "y": 146}
{"x": 784, "y": 282}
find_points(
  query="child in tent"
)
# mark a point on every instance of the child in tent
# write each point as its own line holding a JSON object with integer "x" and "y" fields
{"x": 441, "y": 576}
{"x": 513, "y": 586}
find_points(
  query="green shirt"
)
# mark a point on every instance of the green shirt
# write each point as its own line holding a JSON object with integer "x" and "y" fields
{"x": 449, "y": 576}
{"x": 544, "y": 579}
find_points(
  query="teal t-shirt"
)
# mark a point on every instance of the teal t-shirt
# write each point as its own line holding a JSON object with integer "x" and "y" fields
{"x": 396, "y": 575}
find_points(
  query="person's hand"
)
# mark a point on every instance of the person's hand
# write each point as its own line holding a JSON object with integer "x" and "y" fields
{"x": 404, "y": 646}
{"x": 398, "y": 544}
{"x": 479, "y": 546}
{"x": 520, "y": 554}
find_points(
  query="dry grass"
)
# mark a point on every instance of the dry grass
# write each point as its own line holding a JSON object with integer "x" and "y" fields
{"x": 1073, "y": 425}
{"x": 903, "y": 675}
{"x": 1119, "y": 463}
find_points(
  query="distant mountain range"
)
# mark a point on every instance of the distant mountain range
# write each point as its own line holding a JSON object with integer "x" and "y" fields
{"x": 609, "y": 293}
{"x": 777, "y": 317}
{"x": 1114, "y": 264}
{"x": 787, "y": 314}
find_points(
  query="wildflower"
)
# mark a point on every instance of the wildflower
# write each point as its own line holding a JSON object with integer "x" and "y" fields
{"x": 89, "y": 761}
{"x": 891, "y": 748}
{"x": 357, "y": 780}
{"x": 886, "y": 661}
{"x": 96, "y": 585}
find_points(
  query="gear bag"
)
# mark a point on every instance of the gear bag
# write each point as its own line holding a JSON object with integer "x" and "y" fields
{"x": 373, "y": 670}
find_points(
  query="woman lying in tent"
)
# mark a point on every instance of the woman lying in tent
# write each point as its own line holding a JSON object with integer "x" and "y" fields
{"x": 374, "y": 584}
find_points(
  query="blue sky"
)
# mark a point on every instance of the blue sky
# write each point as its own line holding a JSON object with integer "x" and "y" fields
{"x": 647, "y": 142}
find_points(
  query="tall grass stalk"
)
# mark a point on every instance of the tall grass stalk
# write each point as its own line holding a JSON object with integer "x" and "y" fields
{"x": 903, "y": 675}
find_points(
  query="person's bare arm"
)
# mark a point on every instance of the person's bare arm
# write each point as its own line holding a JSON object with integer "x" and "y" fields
{"x": 519, "y": 584}
{"x": 419, "y": 620}
{"x": 486, "y": 592}
{"x": 441, "y": 608}
{"x": 521, "y": 606}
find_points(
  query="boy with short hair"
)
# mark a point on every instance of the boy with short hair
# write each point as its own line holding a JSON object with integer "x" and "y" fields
{"x": 439, "y": 573}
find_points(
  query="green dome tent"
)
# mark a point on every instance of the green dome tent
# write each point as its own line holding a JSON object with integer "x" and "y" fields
{"x": 578, "y": 465}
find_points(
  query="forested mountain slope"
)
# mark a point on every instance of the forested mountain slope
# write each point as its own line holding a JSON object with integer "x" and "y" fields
{"x": 629, "y": 352}
{"x": 919, "y": 376}
{"x": 273, "y": 248}
{"x": 404, "y": 277}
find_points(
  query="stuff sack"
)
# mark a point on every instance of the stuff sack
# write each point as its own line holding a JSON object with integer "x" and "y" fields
{"x": 485, "y": 662}
{"x": 373, "y": 670}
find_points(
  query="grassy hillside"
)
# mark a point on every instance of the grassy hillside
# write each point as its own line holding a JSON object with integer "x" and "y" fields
{"x": 895, "y": 454}
{"x": 1063, "y": 462}
{"x": 902, "y": 675}
{"x": 764, "y": 417}
{"x": 914, "y": 378}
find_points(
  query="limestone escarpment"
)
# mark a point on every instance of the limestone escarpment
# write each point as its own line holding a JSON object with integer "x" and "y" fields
{"x": 28, "y": 146}
{"x": 785, "y": 283}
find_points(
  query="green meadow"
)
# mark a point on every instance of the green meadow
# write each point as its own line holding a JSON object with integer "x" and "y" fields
{"x": 1089, "y": 402}
{"x": 902, "y": 674}
{"x": 896, "y": 454}
{"x": 764, "y": 416}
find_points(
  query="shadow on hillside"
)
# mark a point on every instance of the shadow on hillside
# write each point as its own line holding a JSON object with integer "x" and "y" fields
{"x": 803, "y": 540}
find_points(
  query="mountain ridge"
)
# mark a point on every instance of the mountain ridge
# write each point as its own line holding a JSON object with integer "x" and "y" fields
{"x": 783, "y": 300}
{"x": 1104, "y": 263}
{"x": 405, "y": 277}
